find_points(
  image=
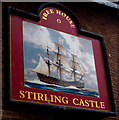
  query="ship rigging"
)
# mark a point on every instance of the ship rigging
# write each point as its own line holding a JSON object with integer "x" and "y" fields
{"x": 60, "y": 71}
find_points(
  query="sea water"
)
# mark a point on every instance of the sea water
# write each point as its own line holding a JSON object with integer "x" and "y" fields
{"x": 70, "y": 89}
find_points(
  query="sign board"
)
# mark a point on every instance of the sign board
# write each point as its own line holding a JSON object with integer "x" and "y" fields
{"x": 54, "y": 62}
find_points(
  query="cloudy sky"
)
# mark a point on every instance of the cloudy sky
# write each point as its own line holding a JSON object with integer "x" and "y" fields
{"x": 37, "y": 37}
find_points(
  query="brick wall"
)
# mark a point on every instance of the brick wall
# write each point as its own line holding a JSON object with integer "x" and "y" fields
{"x": 94, "y": 18}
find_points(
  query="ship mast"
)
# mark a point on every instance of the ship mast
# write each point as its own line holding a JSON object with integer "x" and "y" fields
{"x": 60, "y": 57}
{"x": 74, "y": 68}
{"x": 59, "y": 63}
{"x": 48, "y": 61}
{"x": 77, "y": 67}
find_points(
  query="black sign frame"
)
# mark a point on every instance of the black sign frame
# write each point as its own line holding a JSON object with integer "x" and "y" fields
{"x": 6, "y": 44}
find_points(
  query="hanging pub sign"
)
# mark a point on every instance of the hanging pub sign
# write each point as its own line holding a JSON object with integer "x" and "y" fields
{"x": 54, "y": 62}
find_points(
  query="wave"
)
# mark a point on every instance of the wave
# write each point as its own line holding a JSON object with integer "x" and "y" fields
{"x": 70, "y": 89}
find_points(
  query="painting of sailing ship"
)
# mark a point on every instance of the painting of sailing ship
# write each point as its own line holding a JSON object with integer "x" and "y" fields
{"x": 58, "y": 61}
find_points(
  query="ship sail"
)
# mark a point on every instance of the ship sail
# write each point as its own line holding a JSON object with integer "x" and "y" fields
{"x": 60, "y": 47}
{"x": 82, "y": 67}
{"x": 78, "y": 69}
{"x": 60, "y": 59}
{"x": 75, "y": 61}
{"x": 41, "y": 67}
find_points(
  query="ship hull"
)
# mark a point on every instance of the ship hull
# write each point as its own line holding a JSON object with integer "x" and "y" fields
{"x": 52, "y": 80}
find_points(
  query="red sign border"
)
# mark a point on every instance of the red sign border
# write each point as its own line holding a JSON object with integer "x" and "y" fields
{"x": 81, "y": 32}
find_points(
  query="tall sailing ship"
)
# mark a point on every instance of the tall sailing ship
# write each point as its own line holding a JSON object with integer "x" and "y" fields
{"x": 61, "y": 71}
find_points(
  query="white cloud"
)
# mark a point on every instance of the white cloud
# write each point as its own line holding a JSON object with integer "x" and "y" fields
{"x": 34, "y": 34}
{"x": 73, "y": 43}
